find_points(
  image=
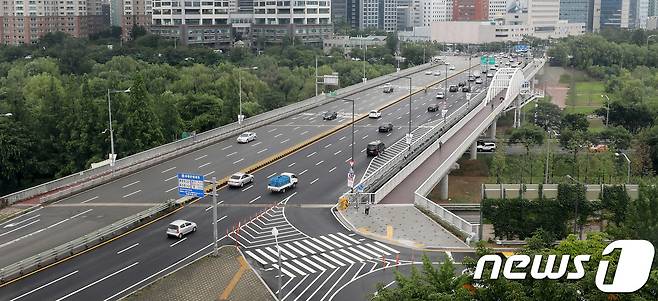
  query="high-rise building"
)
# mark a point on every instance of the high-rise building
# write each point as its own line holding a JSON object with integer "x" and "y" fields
{"x": 628, "y": 14}
{"x": 436, "y": 11}
{"x": 382, "y": 14}
{"x": 578, "y": 11}
{"x": 470, "y": 10}
{"x": 497, "y": 9}
{"x": 653, "y": 8}
{"x": 24, "y": 22}
{"x": 543, "y": 17}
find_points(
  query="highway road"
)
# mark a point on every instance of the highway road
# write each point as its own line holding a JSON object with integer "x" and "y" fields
{"x": 83, "y": 213}
{"x": 123, "y": 265}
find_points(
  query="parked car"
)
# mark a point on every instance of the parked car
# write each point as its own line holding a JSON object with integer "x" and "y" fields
{"x": 385, "y": 128}
{"x": 453, "y": 88}
{"x": 433, "y": 107}
{"x": 329, "y": 115}
{"x": 246, "y": 137}
{"x": 486, "y": 146}
{"x": 180, "y": 228}
{"x": 282, "y": 182}
{"x": 478, "y": 81}
{"x": 374, "y": 114}
{"x": 375, "y": 148}
{"x": 599, "y": 148}
{"x": 238, "y": 179}
{"x": 466, "y": 89}
{"x": 440, "y": 95}
{"x": 388, "y": 88}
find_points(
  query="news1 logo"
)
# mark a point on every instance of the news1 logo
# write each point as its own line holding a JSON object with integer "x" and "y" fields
{"x": 631, "y": 274}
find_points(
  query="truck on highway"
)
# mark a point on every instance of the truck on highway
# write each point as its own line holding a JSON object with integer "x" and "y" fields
{"x": 282, "y": 182}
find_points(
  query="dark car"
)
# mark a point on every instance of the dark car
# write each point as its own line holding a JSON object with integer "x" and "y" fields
{"x": 386, "y": 127}
{"x": 329, "y": 116}
{"x": 453, "y": 88}
{"x": 466, "y": 89}
{"x": 433, "y": 108}
{"x": 471, "y": 78}
{"x": 375, "y": 148}
{"x": 461, "y": 84}
{"x": 388, "y": 89}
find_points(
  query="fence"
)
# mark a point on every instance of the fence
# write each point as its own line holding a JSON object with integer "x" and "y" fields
{"x": 532, "y": 191}
{"x": 74, "y": 183}
{"x": 85, "y": 242}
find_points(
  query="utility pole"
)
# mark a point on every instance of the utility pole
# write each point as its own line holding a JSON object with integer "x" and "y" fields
{"x": 214, "y": 216}
{"x": 109, "y": 111}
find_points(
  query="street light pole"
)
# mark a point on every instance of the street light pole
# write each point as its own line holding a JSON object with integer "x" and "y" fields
{"x": 240, "y": 116}
{"x": 409, "y": 137}
{"x": 275, "y": 233}
{"x": 109, "y": 113}
{"x": 316, "y": 75}
{"x": 628, "y": 171}
{"x": 214, "y": 216}
{"x": 607, "y": 114}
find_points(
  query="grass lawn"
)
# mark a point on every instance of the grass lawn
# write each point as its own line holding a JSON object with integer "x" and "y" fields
{"x": 584, "y": 96}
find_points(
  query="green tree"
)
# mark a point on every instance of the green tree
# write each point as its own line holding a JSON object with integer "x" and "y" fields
{"x": 574, "y": 122}
{"x": 529, "y": 136}
{"x": 573, "y": 141}
{"x": 498, "y": 163}
{"x": 547, "y": 115}
{"x": 617, "y": 137}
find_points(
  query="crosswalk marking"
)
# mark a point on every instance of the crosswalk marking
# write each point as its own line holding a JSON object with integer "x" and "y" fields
{"x": 291, "y": 255}
{"x": 299, "y": 263}
{"x": 285, "y": 271}
{"x": 290, "y": 246}
{"x": 339, "y": 240}
{"x": 367, "y": 250}
{"x": 379, "y": 250}
{"x": 323, "y": 262}
{"x": 340, "y": 263}
{"x": 352, "y": 255}
{"x": 355, "y": 250}
{"x": 275, "y": 253}
{"x": 328, "y": 247}
{"x": 386, "y": 247}
{"x": 331, "y": 241}
{"x": 292, "y": 267}
{"x": 348, "y": 238}
{"x": 341, "y": 257}
{"x": 256, "y": 257}
{"x": 317, "y": 266}
{"x": 265, "y": 255}
{"x": 307, "y": 249}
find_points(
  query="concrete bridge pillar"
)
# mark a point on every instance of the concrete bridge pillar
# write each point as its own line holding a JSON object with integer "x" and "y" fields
{"x": 492, "y": 129}
{"x": 474, "y": 150}
{"x": 443, "y": 188}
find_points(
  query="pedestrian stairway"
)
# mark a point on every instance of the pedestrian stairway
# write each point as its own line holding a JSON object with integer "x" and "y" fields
{"x": 318, "y": 254}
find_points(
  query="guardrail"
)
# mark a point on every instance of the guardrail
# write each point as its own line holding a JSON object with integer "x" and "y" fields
{"x": 53, "y": 255}
{"x": 74, "y": 183}
{"x": 461, "y": 224}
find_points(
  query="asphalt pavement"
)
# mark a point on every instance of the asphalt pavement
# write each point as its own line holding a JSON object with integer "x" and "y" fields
{"x": 322, "y": 168}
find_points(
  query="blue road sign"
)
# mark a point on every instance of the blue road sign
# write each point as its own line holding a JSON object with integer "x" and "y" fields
{"x": 359, "y": 188}
{"x": 190, "y": 185}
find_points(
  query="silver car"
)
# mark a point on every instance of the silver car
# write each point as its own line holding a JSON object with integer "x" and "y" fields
{"x": 239, "y": 179}
{"x": 246, "y": 137}
{"x": 180, "y": 228}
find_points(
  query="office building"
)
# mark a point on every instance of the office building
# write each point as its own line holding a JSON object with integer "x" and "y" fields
{"x": 625, "y": 14}
{"x": 470, "y": 10}
{"x": 497, "y": 9}
{"x": 436, "y": 11}
{"x": 578, "y": 11}
{"x": 381, "y": 14}
{"x": 24, "y": 22}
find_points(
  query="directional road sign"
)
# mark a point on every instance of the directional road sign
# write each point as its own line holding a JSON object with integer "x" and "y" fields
{"x": 359, "y": 188}
{"x": 190, "y": 185}
{"x": 350, "y": 178}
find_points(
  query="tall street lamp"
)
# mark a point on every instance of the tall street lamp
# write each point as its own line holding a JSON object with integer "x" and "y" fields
{"x": 607, "y": 114}
{"x": 240, "y": 116}
{"x": 275, "y": 233}
{"x": 409, "y": 136}
{"x": 353, "y": 159}
{"x": 316, "y": 73}
{"x": 628, "y": 162}
{"x": 109, "y": 110}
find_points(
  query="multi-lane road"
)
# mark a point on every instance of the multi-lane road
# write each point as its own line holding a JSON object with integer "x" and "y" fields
{"x": 123, "y": 265}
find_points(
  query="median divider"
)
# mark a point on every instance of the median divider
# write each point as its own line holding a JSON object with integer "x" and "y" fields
{"x": 50, "y": 257}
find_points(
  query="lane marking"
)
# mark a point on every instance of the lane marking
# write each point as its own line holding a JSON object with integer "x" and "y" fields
{"x": 303, "y": 172}
{"x": 204, "y": 165}
{"x": 236, "y": 162}
{"x": 319, "y": 162}
{"x": 341, "y": 138}
{"x": 311, "y": 154}
{"x": 96, "y": 282}
{"x": 231, "y": 154}
{"x": 221, "y": 218}
{"x": 46, "y": 285}
{"x": 256, "y": 199}
{"x": 168, "y": 169}
{"x": 18, "y": 223}
{"x": 131, "y": 184}
{"x": 316, "y": 179}
{"x": 128, "y": 248}
{"x": 263, "y": 150}
{"x": 132, "y": 193}
{"x": 180, "y": 241}
{"x": 199, "y": 158}
{"x": 271, "y": 175}
{"x": 277, "y": 135}
{"x": 170, "y": 178}
{"x": 338, "y": 152}
{"x": 364, "y": 137}
{"x": 257, "y": 143}
{"x": 332, "y": 169}
{"x": 284, "y": 141}
{"x": 292, "y": 164}
{"x": 170, "y": 189}
{"x": 304, "y": 133}
{"x": 89, "y": 200}
{"x": 225, "y": 148}
{"x": 212, "y": 172}
{"x": 21, "y": 227}
{"x": 272, "y": 130}
{"x": 328, "y": 145}
{"x": 249, "y": 187}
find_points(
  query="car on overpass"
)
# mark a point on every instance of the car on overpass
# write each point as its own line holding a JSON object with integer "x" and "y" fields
{"x": 388, "y": 88}
{"x": 238, "y": 179}
{"x": 433, "y": 107}
{"x": 329, "y": 115}
{"x": 374, "y": 114}
{"x": 246, "y": 137}
{"x": 385, "y": 128}
{"x": 180, "y": 228}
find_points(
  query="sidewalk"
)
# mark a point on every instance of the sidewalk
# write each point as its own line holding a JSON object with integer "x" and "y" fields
{"x": 226, "y": 277}
{"x": 400, "y": 224}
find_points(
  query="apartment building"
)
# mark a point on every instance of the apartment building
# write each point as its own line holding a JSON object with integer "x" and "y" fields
{"x": 470, "y": 10}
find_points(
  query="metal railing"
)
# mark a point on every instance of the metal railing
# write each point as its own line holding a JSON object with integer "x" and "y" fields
{"x": 444, "y": 214}
{"x": 71, "y": 184}
{"x": 80, "y": 244}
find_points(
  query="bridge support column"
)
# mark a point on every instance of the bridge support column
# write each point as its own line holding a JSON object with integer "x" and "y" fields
{"x": 474, "y": 150}
{"x": 492, "y": 129}
{"x": 443, "y": 188}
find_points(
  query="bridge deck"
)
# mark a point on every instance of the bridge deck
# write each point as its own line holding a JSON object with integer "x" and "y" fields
{"x": 404, "y": 193}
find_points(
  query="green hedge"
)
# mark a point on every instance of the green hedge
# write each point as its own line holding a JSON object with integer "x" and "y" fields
{"x": 519, "y": 218}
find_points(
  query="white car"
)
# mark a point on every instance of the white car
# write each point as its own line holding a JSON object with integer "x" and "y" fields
{"x": 374, "y": 114}
{"x": 239, "y": 179}
{"x": 180, "y": 228}
{"x": 486, "y": 147}
{"x": 246, "y": 137}
{"x": 428, "y": 72}
{"x": 440, "y": 95}
{"x": 437, "y": 73}
{"x": 452, "y": 67}
{"x": 490, "y": 75}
